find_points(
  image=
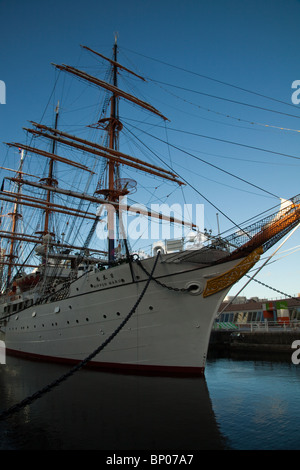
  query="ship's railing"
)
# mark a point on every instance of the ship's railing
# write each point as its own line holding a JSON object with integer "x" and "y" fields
{"x": 258, "y": 326}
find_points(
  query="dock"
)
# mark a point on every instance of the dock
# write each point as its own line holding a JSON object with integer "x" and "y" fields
{"x": 256, "y": 340}
{"x": 260, "y": 325}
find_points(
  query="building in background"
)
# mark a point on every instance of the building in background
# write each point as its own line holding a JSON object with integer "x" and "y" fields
{"x": 242, "y": 310}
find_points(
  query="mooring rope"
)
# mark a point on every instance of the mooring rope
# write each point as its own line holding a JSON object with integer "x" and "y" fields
{"x": 27, "y": 401}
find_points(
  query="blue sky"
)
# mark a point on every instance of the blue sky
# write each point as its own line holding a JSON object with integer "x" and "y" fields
{"x": 224, "y": 49}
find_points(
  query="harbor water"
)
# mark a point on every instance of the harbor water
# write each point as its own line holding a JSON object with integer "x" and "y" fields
{"x": 242, "y": 404}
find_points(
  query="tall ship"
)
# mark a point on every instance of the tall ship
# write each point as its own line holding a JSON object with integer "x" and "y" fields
{"x": 71, "y": 281}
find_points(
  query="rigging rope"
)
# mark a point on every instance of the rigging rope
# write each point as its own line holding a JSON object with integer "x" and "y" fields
{"x": 189, "y": 184}
{"x": 27, "y": 401}
{"x": 228, "y": 142}
{"x": 212, "y": 79}
{"x": 227, "y": 99}
{"x": 226, "y": 114}
{"x": 204, "y": 161}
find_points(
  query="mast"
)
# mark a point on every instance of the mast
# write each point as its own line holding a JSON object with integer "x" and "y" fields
{"x": 50, "y": 181}
{"x": 113, "y": 144}
{"x": 15, "y": 215}
{"x": 112, "y": 125}
{"x": 114, "y": 188}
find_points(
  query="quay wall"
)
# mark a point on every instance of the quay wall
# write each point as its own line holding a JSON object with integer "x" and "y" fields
{"x": 253, "y": 341}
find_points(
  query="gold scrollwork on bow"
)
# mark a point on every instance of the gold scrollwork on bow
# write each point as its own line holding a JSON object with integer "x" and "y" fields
{"x": 230, "y": 277}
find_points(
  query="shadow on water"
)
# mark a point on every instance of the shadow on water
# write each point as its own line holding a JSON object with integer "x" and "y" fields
{"x": 102, "y": 411}
{"x": 251, "y": 355}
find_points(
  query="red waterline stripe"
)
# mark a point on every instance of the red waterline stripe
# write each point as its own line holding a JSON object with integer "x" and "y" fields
{"x": 134, "y": 369}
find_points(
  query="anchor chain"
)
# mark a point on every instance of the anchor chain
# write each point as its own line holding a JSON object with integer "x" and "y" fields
{"x": 27, "y": 401}
{"x": 276, "y": 290}
{"x": 177, "y": 289}
{"x": 187, "y": 290}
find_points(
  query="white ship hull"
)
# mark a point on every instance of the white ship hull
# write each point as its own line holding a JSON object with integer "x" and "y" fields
{"x": 168, "y": 333}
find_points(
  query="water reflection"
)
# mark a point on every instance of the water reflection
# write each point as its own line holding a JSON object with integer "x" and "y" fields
{"x": 256, "y": 400}
{"x": 95, "y": 410}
